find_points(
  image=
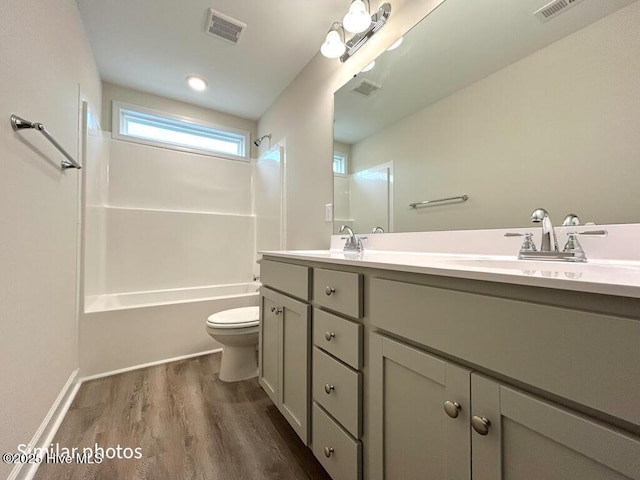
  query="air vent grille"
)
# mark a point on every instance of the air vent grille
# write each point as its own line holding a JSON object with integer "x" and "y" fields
{"x": 366, "y": 88}
{"x": 554, "y": 9}
{"x": 224, "y": 27}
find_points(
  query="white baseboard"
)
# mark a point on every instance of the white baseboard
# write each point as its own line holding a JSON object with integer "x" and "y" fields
{"x": 151, "y": 364}
{"x": 49, "y": 426}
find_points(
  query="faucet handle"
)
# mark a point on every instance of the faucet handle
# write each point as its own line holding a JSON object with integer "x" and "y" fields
{"x": 574, "y": 248}
{"x": 593, "y": 233}
{"x": 528, "y": 245}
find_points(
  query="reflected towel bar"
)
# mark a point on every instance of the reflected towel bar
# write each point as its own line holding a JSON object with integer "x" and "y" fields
{"x": 20, "y": 124}
{"x": 462, "y": 198}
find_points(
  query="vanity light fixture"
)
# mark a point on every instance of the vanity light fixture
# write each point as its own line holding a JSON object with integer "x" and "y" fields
{"x": 197, "y": 83}
{"x": 358, "y": 18}
{"x": 335, "y": 43}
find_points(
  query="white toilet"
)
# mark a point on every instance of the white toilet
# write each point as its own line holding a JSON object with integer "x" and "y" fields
{"x": 237, "y": 331}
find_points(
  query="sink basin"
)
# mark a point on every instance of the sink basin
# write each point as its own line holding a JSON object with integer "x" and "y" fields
{"x": 546, "y": 268}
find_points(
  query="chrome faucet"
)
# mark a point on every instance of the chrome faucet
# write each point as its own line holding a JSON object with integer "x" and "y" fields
{"x": 353, "y": 243}
{"x": 377, "y": 230}
{"x": 549, "y": 242}
{"x": 571, "y": 220}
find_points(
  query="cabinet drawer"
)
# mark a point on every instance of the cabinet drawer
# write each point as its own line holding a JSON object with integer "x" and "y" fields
{"x": 338, "y": 291}
{"x": 288, "y": 278}
{"x": 338, "y": 389}
{"x": 594, "y": 357}
{"x": 341, "y": 338}
{"x": 344, "y": 458}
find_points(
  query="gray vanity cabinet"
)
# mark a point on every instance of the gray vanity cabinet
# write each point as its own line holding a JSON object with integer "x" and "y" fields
{"x": 530, "y": 438}
{"x": 423, "y": 406}
{"x": 420, "y": 413}
{"x": 285, "y": 337}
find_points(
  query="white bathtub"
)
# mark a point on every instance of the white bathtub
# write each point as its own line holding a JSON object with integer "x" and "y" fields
{"x": 119, "y": 301}
{"x": 123, "y": 331}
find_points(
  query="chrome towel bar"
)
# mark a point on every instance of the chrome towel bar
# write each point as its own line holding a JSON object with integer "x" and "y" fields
{"x": 21, "y": 124}
{"x": 462, "y": 198}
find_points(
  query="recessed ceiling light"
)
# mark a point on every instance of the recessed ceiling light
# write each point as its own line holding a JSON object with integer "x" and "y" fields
{"x": 198, "y": 84}
{"x": 368, "y": 67}
{"x": 395, "y": 44}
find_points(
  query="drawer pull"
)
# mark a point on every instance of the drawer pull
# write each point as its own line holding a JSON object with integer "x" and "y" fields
{"x": 329, "y": 290}
{"x": 328, "y": 451}
{"x": 452, "y": 408}
{"x": 328, "y": 388}
{"x": 329, "y": 336}
{"x": 480, "y": 424}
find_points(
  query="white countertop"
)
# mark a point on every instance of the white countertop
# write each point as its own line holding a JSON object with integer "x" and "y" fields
{"x": 621, "y": 278}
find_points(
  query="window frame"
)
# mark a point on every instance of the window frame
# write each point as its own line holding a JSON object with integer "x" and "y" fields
{"x": 117, "y": 133}
{"x": 345, "y": 162}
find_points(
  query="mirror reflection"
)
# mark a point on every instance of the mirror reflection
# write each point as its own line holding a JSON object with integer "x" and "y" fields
{"x": 489, "y": 100}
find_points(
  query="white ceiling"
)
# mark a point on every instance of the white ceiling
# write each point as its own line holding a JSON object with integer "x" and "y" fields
{"x": 152, "y": 45}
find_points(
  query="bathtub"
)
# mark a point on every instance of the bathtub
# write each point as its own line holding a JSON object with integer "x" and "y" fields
{"x": 119, "y": 301}
{"x": 120, "y": 332}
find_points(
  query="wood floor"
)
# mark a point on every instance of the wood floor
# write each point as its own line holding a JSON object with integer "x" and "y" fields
{"x": 189, "y": 425}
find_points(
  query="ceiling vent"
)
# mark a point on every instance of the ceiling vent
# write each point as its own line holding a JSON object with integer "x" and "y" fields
{"x": 554, "y": 9}
{"x": 224, "y": 27}
{"x": 366, "y": 88}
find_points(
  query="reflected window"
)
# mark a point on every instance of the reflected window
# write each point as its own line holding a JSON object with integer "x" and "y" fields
{"x": 340, "y": 163}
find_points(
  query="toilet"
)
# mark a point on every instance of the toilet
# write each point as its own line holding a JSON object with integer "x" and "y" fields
{"x": 237, "y": 331}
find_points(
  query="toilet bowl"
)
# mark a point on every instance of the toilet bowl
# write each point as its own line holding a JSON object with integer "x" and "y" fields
{"x": 237, "y": 331}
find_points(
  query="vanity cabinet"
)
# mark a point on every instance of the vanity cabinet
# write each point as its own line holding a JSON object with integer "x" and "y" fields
{"x": 497, "y": 431}
{"x": 336, "y": 370}
{"x": 530, "y": 438}
{"x": 284, "y": 337}
{"x": 421, "y": 376}
{"x": 432, "y": 418}
{"x": 413, "y": 434}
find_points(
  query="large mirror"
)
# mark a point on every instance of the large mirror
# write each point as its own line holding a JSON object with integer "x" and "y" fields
{"x": 509, "y": 109}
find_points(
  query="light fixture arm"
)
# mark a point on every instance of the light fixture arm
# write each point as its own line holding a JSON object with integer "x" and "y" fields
{"x": 378, "y": 20}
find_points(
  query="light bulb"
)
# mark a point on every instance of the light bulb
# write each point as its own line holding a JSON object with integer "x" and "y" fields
{"x": 198, "y": 84}
{"x": 333, "y": 46}
{"x": 395, "y": 44}
{"x": 368, "y": 67}
{"x": 357, "y": 19}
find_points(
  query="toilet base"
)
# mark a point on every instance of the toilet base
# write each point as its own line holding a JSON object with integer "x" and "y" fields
{"x": 238, "y": 363}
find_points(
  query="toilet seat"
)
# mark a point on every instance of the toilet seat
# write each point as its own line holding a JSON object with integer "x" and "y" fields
{"x": 244, "y": 317}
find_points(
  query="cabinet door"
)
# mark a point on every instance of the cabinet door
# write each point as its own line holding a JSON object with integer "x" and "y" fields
{"x": 269, "y": 356}
{"x": 295, "y": 364}
{"x": 529, "y": 438}
{"x": 412, "y": 435}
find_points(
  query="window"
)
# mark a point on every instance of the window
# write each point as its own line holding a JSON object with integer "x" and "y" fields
{"x": 339, "y": 163}
{"x": 150, "y": 127}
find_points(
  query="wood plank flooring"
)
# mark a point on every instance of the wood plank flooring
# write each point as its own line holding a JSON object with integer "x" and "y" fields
{"x": 189, "y": 424}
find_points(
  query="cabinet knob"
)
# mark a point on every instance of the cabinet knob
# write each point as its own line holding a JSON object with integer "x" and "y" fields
{"x": 329, "y": 290}
{"x": 452, "y": 408}
{"x": 329, "y": 336}
{"x": 276, "y": 310}
{"x": 328, "y": 388}
{"x": 480, "y": 424}
{"x": 328, "y": 451}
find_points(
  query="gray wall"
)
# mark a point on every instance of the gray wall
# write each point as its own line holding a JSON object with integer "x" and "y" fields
{"x": 47, "y": 66}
